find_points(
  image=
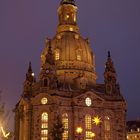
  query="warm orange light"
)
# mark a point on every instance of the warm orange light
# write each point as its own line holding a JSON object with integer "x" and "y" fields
{"x": 79, "y": 130}
{"x": 71, "y": 29}
{"x": 92, "y": 135}
{"x": 97, "y": 120}
{"x": 57, "y": 55}
{"x": 67, "y": 16}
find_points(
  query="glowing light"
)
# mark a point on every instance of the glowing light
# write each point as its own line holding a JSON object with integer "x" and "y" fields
{"x": 44, "y": 101}
{"x": 79, "y": 130}
{"x": 107, "y": 118}
{"x": 71, "y": 29}
{"x": 33, "y": 74}
{"x": 76, "y": 36}
{"x": 57, "y": 55}
{"x": 67, "y": 16}
{"x": 74, "y": 18}
{"x": 97, "y": 120}
{"x": 5, "y": 135}
{"x": 79, "y": 57}
{"x": 92, "y": 135}
{"x": 88, "y": 101}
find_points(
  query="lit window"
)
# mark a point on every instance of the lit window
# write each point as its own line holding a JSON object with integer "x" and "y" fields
{"x": 57, "y": 55}
{"x": 79, "y": 57}
{"x": 65, "y": 122}
{"x": 67, "y": 16}
{"x": 44, "y": 101}
{"x": 74, "y": 18}
{"x": 107, "y": 125}
{"x": 88, "y": 101}
{"x": 65, "y": 135}
{"x": 88, "y": 122}
{"x": 44, "y": 117}
{"x": 107, "y": 128}
{"x": 88, "y": 135}
{"x": 44, "y": 126}
{"x": 76, "y": 36}
{"x": 44, "y": 133}
{"x": 71, "y": 29}
{"x": 88, "y": 127}
{"x": 44, "y": 138}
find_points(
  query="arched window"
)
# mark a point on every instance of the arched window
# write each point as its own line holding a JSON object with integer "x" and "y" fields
{"x": 65, "y": 121}
{"x": 57, "y": 54}
{"x": 107, "y": 128}
{"x": 44, "y": 126}
{"x": 79, "y": 55}
{"x": 88, "y": 127}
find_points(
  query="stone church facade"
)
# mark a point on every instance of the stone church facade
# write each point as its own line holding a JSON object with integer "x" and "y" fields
{"x": 66, "y": 89}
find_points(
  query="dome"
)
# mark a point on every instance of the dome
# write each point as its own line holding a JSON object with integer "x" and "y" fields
{"x": 73, "y": 56}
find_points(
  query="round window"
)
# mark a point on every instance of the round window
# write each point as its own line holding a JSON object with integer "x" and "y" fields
{"x": 44, "y": 101}
{"x": 88, "y": 101}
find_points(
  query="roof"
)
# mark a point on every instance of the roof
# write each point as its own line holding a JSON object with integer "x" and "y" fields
{"x": 133, "y": 125}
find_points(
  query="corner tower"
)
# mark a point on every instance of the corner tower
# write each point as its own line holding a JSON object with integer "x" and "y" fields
{"x": 73, "y": 55}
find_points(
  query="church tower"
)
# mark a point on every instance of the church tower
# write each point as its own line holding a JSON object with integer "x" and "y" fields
{"x": 66, "y": 102}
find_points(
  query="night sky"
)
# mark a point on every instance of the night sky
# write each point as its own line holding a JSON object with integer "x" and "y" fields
{"x": 109, "y": 24}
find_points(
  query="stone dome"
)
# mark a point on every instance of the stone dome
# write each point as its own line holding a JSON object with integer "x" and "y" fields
{"x": 73, "y": 55}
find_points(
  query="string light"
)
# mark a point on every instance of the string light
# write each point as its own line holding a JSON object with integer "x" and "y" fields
{"x": 5, "y": 135}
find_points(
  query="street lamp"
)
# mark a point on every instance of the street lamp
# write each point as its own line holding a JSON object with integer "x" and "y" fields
{"x": 79, "y": 131}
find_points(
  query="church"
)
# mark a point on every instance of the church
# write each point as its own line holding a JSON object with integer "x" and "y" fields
{"x": 65, "y": 102}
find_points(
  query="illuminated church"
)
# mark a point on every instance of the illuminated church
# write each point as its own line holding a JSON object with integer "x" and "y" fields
{"x": 66, "y": 92}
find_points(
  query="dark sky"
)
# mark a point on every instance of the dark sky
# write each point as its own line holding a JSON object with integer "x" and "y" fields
{"x": 110, "y": 25}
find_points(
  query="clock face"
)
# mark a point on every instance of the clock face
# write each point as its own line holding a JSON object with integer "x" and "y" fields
{"x": 88, "y": 101}
{"x": 44, "y": 101}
